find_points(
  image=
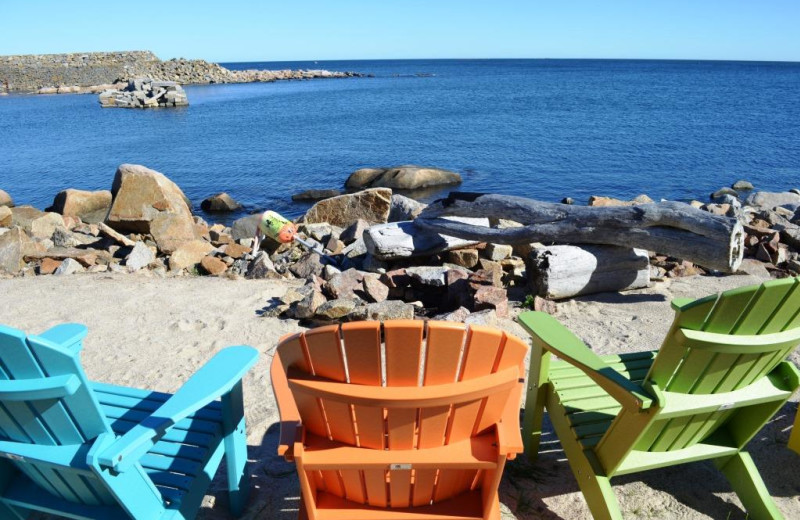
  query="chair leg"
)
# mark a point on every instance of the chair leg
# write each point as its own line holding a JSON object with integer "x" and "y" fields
{"x": 745, "y": 480}
{"x": 235, "y": 449}
{"x": 538, "y": 383}
{"x": 794, "y": 437}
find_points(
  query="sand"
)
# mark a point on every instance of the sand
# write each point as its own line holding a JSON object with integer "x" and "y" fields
{"x": 154, "y": 333}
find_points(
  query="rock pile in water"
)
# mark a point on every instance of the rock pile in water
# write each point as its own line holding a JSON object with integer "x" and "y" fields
{"x": 94, "y": 72}
{"x": 145, "y": 93}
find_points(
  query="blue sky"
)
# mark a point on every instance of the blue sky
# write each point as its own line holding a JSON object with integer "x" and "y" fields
{"x": 241, "y": 30}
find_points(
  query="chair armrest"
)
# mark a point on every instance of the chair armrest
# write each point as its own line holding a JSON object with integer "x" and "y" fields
{"x": 509, "y": 435}
{"x": 214, "y": 379}
{"x": 291, "y": 424}
{"x": 67, "y": 335}
{"x": 551, "y": 335}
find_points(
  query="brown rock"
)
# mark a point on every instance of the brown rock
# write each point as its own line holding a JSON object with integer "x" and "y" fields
{"x": 189, "y": 254}
{"x": 236, "y": 251}
{"x": 376, "y": 290}
{"x": 458, "y": 289}
{"x": 213, "y": 265}
{"x": 90, "y": 206}
{"x": 5, "y": 216}
{"x": 14, "y": 245}
{"x": 488, "y": 297}
{"x": 490, "y": 274}
{"x": 262, "y": 267}
{"x": 119, "y": 237}
{"x": 309, "y": 265}
{"x": 370, "y": 205}
{"x": 49, "y": 265}
{"x": 6, "y": 200}
{"x": 334, "y": 245}
{"x": 220, "y": 202}
{"x": 407, "y": 177}
{"x": 336, "y": 309}
{"x": 544, "y": 305}
{"x": 141, "y": 194}
{"x": 609, "y": 201}
{"x": 316, "y": 194}
{"x": 308, "y": 305}
{"x": 386, "y": 310}
{"x": 171, "y": 231}
{"x": 464, "y": 257}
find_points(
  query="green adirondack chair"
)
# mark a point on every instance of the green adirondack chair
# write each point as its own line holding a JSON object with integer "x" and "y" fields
{"x": 717, "y": 379}
{"x": 85, "y": 450}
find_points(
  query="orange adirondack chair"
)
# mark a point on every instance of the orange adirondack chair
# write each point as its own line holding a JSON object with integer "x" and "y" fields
{"x": 418, "y": 425}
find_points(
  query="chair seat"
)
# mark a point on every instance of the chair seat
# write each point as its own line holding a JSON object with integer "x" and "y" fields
{"x": 588, "y": 408}
{"x": 179, "y": 458}
{"x": 466, "y": 506}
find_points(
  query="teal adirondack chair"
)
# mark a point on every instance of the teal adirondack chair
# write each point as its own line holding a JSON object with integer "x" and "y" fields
{"x": 719, "y": 376}
{"x": 86, "y": 450}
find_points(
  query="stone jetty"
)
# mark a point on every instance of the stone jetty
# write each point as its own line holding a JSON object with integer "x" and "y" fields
{"x": 94, "y": 72}
{"x": 145, "y": 93}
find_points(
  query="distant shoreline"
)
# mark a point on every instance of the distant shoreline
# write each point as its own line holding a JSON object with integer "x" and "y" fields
{"x": 93, "y": 72}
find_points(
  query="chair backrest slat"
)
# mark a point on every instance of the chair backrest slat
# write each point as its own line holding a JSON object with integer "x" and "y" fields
{"x": 364, "y": 365}
{"x": 325, "y": 353}
{"x": 403, "y": 340}
{"x": 443, "y": 352}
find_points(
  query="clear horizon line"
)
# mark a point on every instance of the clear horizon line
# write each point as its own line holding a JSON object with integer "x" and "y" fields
{"x": 740, "y": 60}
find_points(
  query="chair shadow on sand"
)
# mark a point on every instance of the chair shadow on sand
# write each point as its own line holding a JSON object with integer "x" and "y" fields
{"x": 696, "y": 485}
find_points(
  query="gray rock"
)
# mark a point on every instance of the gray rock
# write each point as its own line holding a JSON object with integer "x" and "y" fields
{"x": 245, "y": 227}
{"x": 404, "y": 208}
{"x": 497, "y": 252}
{"x": 221, "y": 202}
{"x": 459, "y": 315}
{"x": 308, "y": 306}
{"x": 329, "y": 271}
{"x": 336, "y": 309}
{"x": 568, "y": 200}
{"x": 487, "y": 318}
{"x": 770, "y": 200}
{"x": 319, "y": 232}
{"x": 428, "y": 275}
{"x": 354, "y": 231}
{"x": 316, "y": 195}
{"x": 309, "y": 265}
{"x": 373, "y": 265}
{"x": 344, "y": 284}
{"x": 69, "y": 266}
{"x": 742, "y": 185}
{"x": 355, "y": 249}
{"x": 386, "y": 310}
{"x": 262, "y": 267}
{"x": 722, "y": 192}
{"x": 139, "y": 257}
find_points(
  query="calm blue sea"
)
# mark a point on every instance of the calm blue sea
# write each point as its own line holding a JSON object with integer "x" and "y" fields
{"x": 540, "y": 128}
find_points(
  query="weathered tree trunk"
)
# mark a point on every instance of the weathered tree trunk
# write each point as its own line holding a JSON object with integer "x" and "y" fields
{"x": 671, "y": 228}
{"x": 397, "y": 240}
{"x": 565, "y": 271}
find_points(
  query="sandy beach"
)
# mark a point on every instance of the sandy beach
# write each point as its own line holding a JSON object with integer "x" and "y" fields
{"x": 153, "y": 333}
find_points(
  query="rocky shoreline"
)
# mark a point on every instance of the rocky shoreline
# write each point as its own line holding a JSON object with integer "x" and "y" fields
{"x": 94, "y": 72}
{"x": 145, "y": 225}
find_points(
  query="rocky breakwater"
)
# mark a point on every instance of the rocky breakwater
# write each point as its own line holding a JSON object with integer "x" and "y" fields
{"x": 145, "y": 93}
{"x": 94, "y": 72}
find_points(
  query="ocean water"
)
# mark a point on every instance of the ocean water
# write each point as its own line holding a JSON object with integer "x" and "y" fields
{"x": 544, "y": 129}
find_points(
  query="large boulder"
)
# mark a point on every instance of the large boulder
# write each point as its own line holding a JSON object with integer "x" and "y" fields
{"x": 407, "y": 177}
{"x": 14, "y": 245}
{"x": 372, "y": 205}
{"x": 6, "y": 200}
{"x": 37, "y": 224}
{"x": 770, "y": 200}
{"x": 315, "y": 195}
{"x": 140, "y": 195}
{"x": 89, "y": 206}
{"x": 221, "y": 202}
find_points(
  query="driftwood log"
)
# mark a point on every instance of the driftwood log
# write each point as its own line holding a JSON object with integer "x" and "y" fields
{"x": 671, "y": 228}
{"x": 397, "y": 240}
{"x": 565, "y": 271}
